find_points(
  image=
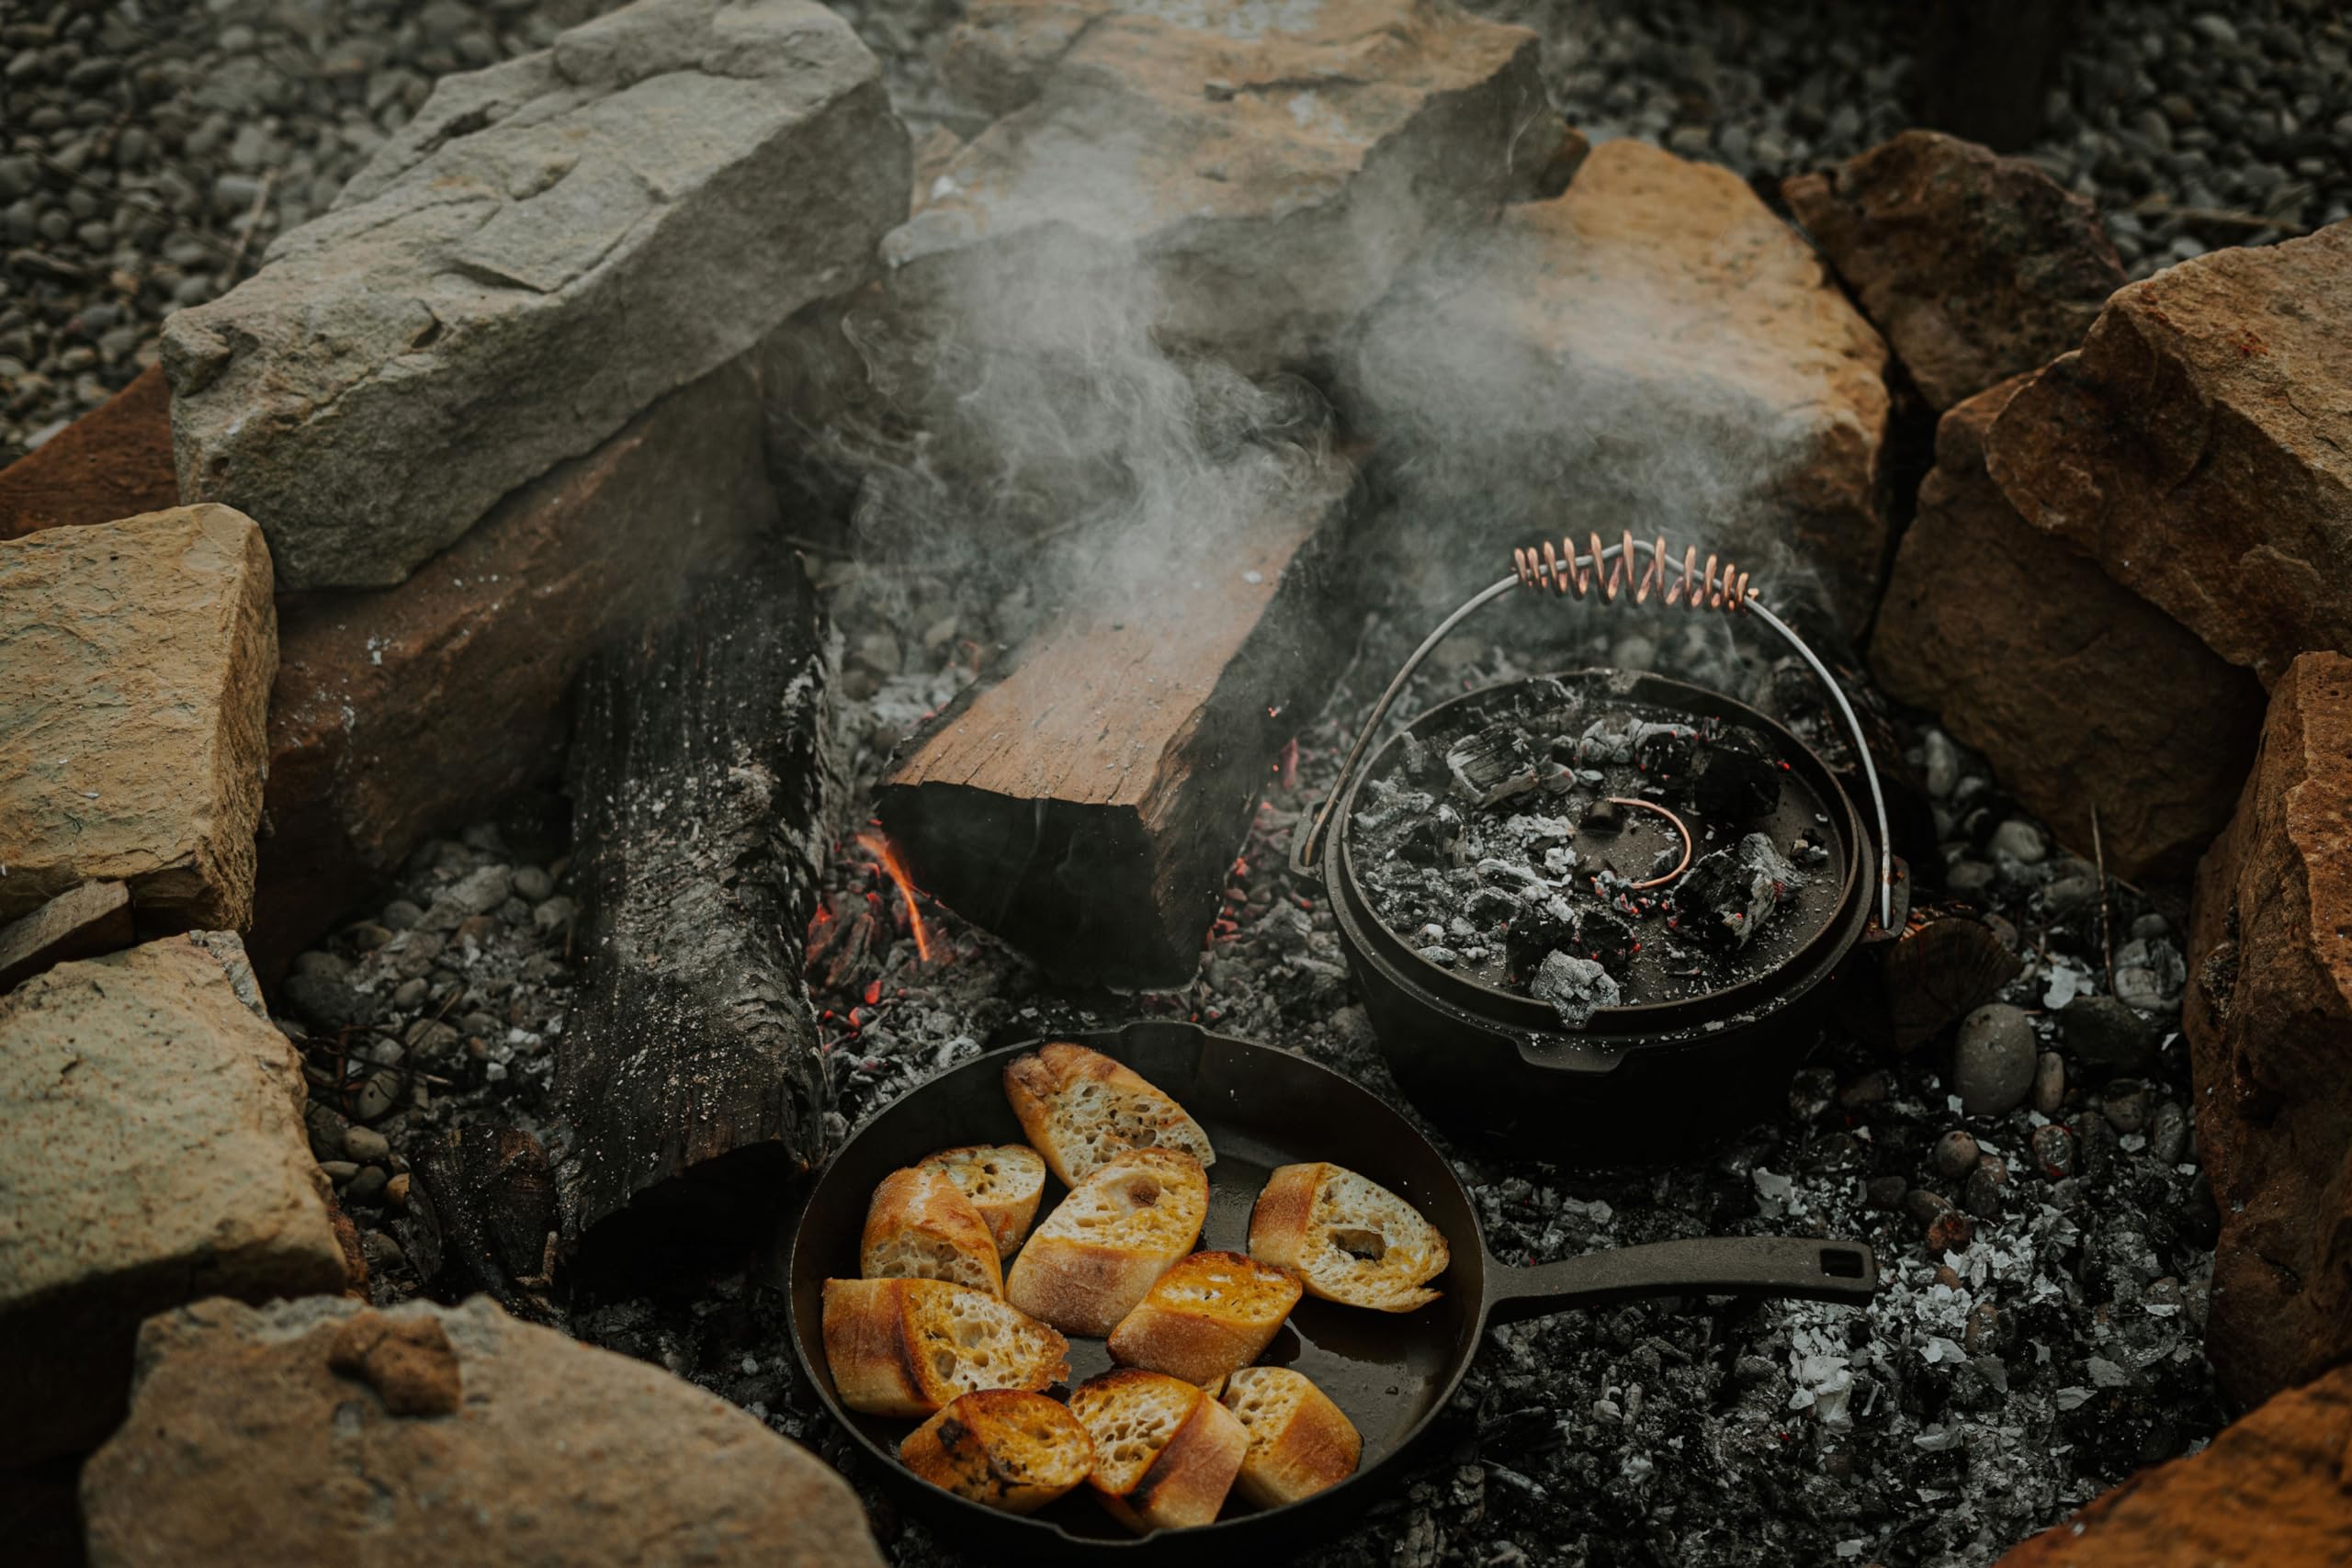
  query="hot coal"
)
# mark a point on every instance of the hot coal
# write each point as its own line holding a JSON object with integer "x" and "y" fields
{"x": 1502, "y": 842}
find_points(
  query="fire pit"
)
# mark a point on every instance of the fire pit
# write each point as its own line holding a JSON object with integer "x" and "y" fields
{"x": 1646, "y": 882}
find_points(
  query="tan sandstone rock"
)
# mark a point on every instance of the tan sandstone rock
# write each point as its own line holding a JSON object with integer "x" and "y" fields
{"x": 2080, "y": 693}
{"x": 2268, "y": 1015}
{"x": 2196, "y": 447}
{"x": 151, "y": 1151}
{"x": 1653, "y": 349}
{"x": 2273, "y": 1489}
{"x": 319, "y": 1431}
{"x": 1268, "y": 169}
{"x": 1976, "y": 267}
{"x": 135, "y": 663}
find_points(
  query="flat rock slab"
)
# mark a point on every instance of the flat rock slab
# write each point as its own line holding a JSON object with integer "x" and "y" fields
{"x": 1653, "y": 349}
{"x": 321, "y": 1431}
{"x": 2195, "y": 446}
{"x": 1976, "y": 267}
{"x": 135, "y": 663}
{"x": 1267, "y": 167}
{"x": 105, "y": 465}
{"x": 398, "y": 711}
{"x": 2081, "y": 693}
{"x": 2269, "y": 1016}
{"x": 551, "y": 245}
{"x": 2270, "y": 1489}
{"x": 151, "y": 1151}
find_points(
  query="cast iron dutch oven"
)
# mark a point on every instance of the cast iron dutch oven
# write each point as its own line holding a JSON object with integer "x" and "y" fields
{"x": 1261, "y": 1107}
{"x": 1495, "y": 1068}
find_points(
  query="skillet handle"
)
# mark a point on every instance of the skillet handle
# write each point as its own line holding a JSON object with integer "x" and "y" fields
{"x": 1844, "y": 1271}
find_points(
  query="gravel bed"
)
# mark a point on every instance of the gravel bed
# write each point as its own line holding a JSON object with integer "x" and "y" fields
{"x": 2045, "y": 1254}
{"x": 153, "y": 149}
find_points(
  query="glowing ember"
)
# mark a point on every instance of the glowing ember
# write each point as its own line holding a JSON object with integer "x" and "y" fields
{"x": 884, "y": 851}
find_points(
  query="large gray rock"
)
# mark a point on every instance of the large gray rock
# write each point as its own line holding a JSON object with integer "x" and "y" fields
{"x": 151, "y": 1151}
{"x": 323, "y": 1432}
{"x": 551, "y": 245}
{"x": 1266, "y": 168}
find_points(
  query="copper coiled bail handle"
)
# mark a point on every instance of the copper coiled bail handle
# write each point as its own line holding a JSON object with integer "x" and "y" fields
{"x": 1718, "y": 585}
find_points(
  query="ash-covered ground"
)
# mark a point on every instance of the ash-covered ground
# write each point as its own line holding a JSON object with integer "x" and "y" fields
{"x": 2037, "y": 1338}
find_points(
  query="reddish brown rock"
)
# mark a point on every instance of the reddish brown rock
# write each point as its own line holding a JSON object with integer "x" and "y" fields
{"x": 255, "y": 1440}
{"x": 2195, "y": 446}
{"x": 399, "y": 712}
{"x": 2080, "y": 693}
{"x": 2268, "y": 1015}
{"x": 1976, "y": 267}
{"x": 115, "y": 461}
{"x": 2273, "y": 1489}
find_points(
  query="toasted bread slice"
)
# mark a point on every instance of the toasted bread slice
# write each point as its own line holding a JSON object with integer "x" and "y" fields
{"x": 1165, "y": 1453}
{"x": 1004, "y": 1181}
{"x": 1212, "y": 1312}
{"x": 1299, "y": 1441}
{"x": 909, "y": 1346}
{"x": 1094, "y": 1258}
{"x": 1351, "y": 1239}
{"x": 1003, "y": 1448}
{"x": 1079, "y": 1108}
{"x": 920, "y": 1226}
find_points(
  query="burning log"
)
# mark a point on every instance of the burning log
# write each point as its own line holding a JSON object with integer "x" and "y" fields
{"x": 1086, "y": 804}
{"x": 701, "y": 781}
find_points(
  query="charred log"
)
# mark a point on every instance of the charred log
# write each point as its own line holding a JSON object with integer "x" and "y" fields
{"x": 702, "y": 778}
{"x": 1898, "y": 993}
{"x": 482, "y": 1219}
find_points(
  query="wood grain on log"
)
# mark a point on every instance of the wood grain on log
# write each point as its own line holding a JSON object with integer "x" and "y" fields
{"x": 702, "y": 776}
{"x": 1085, "y": 805}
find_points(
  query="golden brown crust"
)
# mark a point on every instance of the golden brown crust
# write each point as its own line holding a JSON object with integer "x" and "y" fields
{"x": 920, "y": 1225}
{"x": 1311, "y": 1448}
{"x": 883, "y": 1338}
{"x": 1084, "y": 1285}
{"x": 1003, "y": 1448}
{"x": 1278, "y": 1220}
{"x": 1348, "y": 1238}
{"x": 1186, "y": 1482}
{"x": 1139, "y": 1115}
{"x": 1009, "y": 1215}
{"x": 1208, "y": 1316}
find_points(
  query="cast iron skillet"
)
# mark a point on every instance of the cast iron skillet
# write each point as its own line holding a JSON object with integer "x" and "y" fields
{"x": 1391, "y": 1373}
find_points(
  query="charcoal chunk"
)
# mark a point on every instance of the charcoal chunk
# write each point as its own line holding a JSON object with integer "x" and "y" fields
{"x": 1576, "y": 988}
{"x": 1737, "y": 785}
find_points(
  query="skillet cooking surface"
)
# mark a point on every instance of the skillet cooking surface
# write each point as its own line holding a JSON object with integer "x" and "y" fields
{"x": 1261, "y": 1107}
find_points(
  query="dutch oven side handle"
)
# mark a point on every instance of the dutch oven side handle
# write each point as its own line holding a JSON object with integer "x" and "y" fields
{"x": 1573, "y": 573}
{"x": 1771, "y": 1266}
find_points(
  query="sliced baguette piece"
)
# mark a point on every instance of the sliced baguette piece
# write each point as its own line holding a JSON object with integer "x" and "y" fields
{"x": 1300, "y": 1443}
{"x": 1004, "y": 1181}
{"x": 1079, "y": 1108}
{"x": 1165, "y": 1453}
{"x": 1003, "y": 1448}
{"x": 920, "y": 1226}
{"x": 908, "y": 1348}
{"x": 1094, "y": 1258}
{"x": 1351, "y": 1239}
{"x": 1212, "y": 1312}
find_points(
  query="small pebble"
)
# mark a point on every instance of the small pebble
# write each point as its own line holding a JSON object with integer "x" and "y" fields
{"x": 1994, "y": 1060}
{"x": 2168, "y": 1133}
{"x": 2127, "y": 1105}
{"x": 533, "y": 884}
{"x": 396, "y": 1191}
{"x": 364, "y": 1187}
{"x": 2018, "y": 840}
{"x": 1884, "y": 1193}
{"x": 338, "y": 1170}
{"x": 2107, "y": 1033}
{"x": 365, "y": 1144}
{"x": 401, "y": 914}
{"x": 2053, "y": 1150}
{"x": 1988, "y": 1184}
{"x": 1954, "y": 1155}
{"x": 553, "y": 915}
{"x": 1925, "y": 1206}
{"x": 2049, "y": 1083}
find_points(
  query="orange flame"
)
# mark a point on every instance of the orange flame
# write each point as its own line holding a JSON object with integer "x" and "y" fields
{"x": 882, "y": 850}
